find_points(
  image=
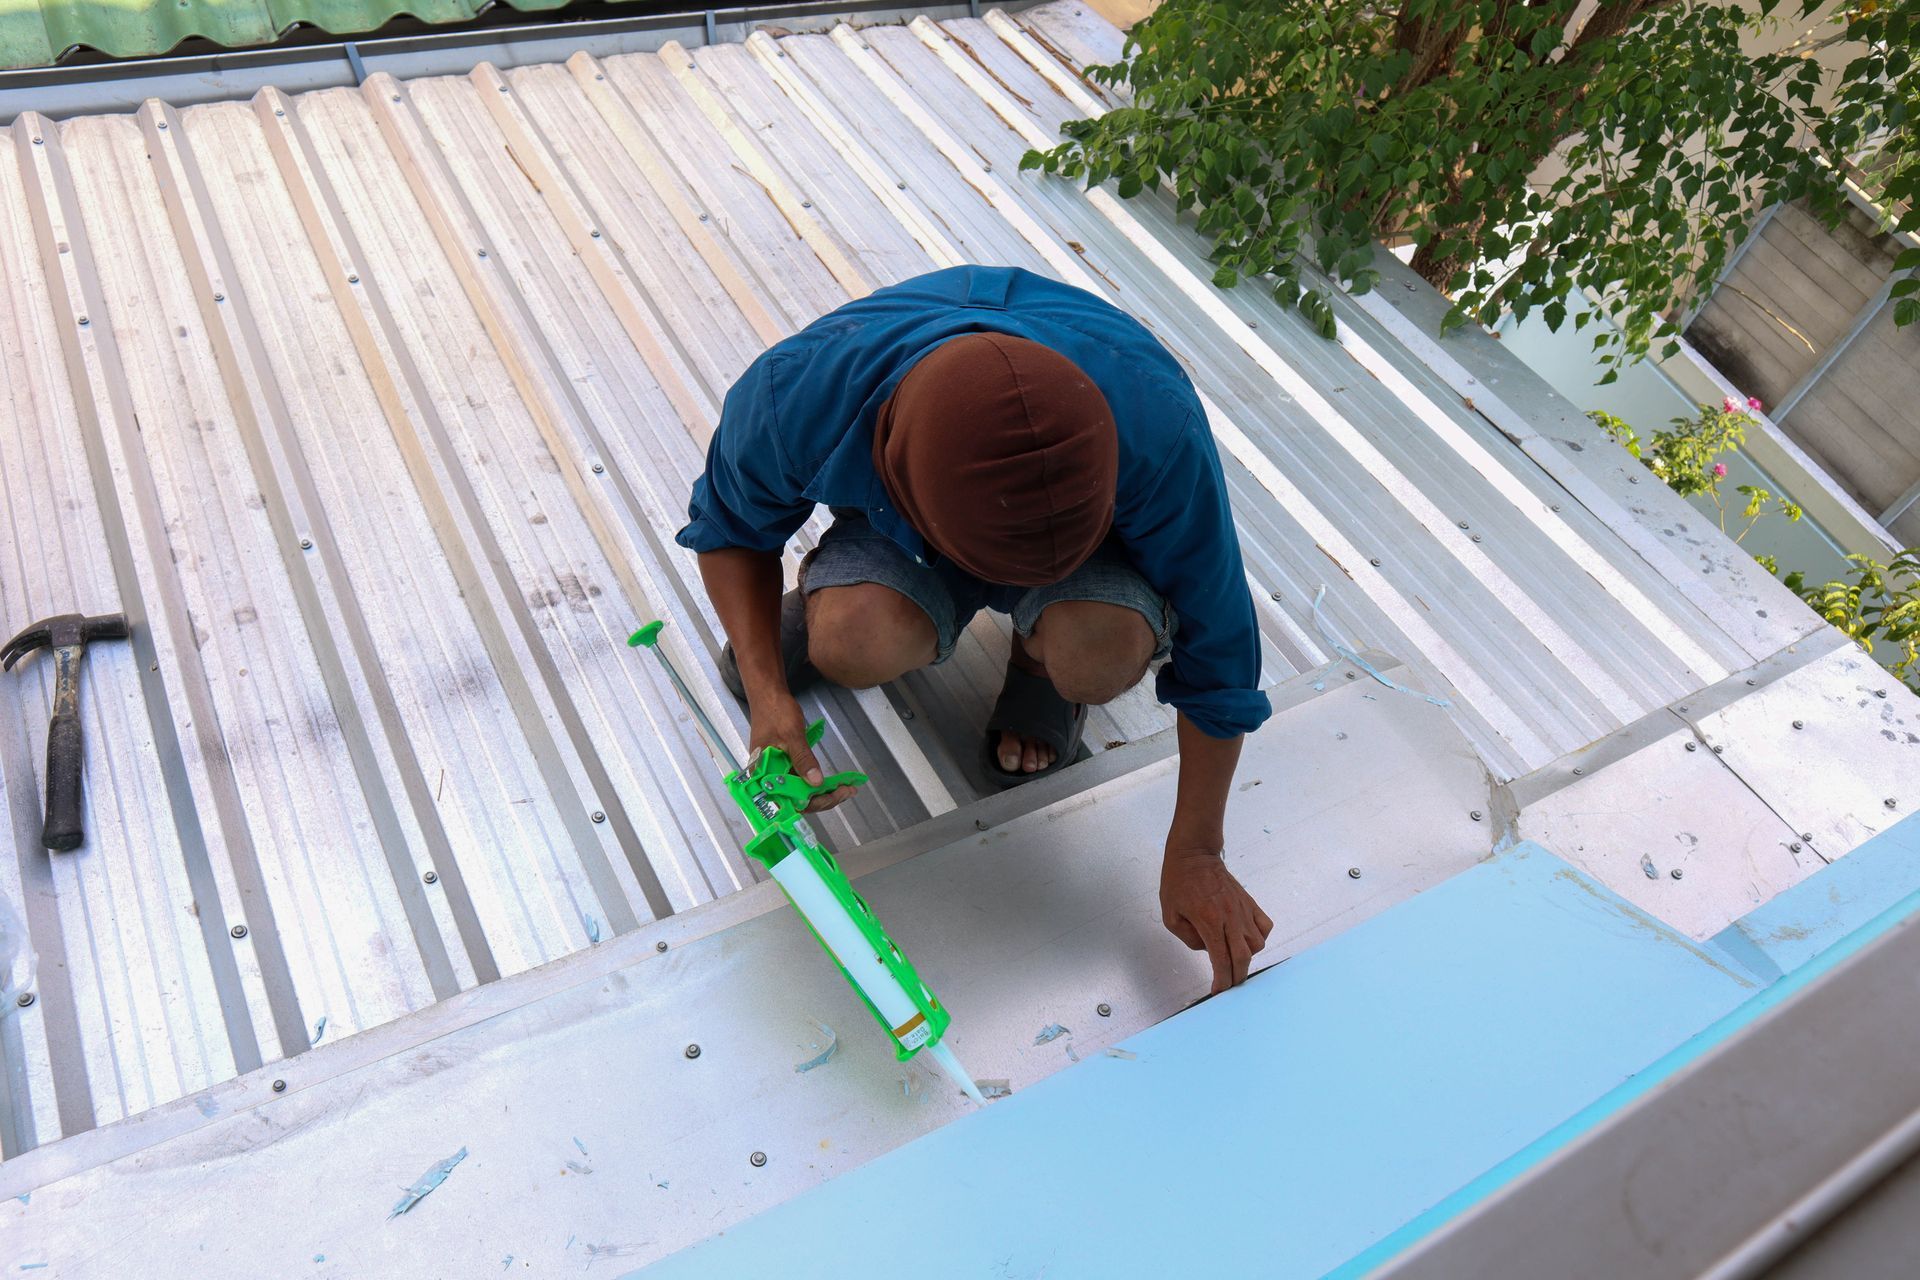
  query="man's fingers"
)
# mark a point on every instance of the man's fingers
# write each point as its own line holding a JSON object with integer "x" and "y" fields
{"x": 1241, "y": 952}
{"x": 838, "y": 795}
{"x": 1219, "y": 953}
{"x": 803, "y": 762}
{"x": 1264, "y": 923}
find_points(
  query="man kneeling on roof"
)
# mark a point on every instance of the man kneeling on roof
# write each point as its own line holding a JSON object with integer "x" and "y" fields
{"x": 988, "y": 438}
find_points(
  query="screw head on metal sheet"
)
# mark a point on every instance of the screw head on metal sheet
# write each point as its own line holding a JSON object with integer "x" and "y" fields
{"x": 703, "y": 217}
{"x": 1475, "y": 815}
{"x": 306, "y": 544}
{"x": 1579, "y": 772}
{"x": 1676, "y": 873}
{"x": 278, "y": 111}
{"x": 1807, "y": 836}
{"x": 84, "y": 322}
{"x": 1633, "y": 479}
{"x": 238, "y": 931}
{"x": 1799, "y": 724}
{"x": 1795, "y": 846}
{"x": 901, "y": 185}
{"x": 1476, "y": 537}
{"x": 1891, "y": 803}
{"x": 1353, "y": 873}
{"x": 806, "y": 204}
{"x": 163, "y": 124}
{"x": 1719, "y": 750}
{"x": 26, "y": 999}
{"x": 482, "y": 252}
{"x": 1375, "y": 562}
{"x": 396, "y": 97}
{"x": 599, "y": 469}
{"x": 432, "y": 877}
{"x": 219, "y": 297}
{"x": 660, "y": 946}
{"x": 599, "y": 816}
{"x": 758, "y": 1159}
{"x": 38, "y": 141}
{"x": 1353, "y": 675}
{"x": 1104, "y": 1010}
{"x": 1693, "y": 746}
{"x": 279, "y": 1086}
{"x": 1751, "y": 682}
{"x": 503, "y": 88}
{"x": 693, "y": 1051}
{"x": 1463, "y": 524}
{"x": 353, "y": 279}
{"x": 1879, "y": 693}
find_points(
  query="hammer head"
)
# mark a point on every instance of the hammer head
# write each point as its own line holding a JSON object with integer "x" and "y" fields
{"x": 60, "y": 631}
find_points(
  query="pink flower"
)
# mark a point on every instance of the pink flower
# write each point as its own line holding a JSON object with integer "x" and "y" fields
{"x": 1730, "y": 405}
{"x": 1719, "y": 471}
{"x": 1753, "y": 403}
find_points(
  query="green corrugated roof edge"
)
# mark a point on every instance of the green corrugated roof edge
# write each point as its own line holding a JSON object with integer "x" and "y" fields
{"x": 36, "y": 33}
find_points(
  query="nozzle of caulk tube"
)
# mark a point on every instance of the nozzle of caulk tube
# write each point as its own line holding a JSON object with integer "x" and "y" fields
{"x": 944, "y": 1056}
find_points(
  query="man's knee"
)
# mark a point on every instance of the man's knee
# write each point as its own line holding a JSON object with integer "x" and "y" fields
{"x": 1094, "y": 652}
{"x": 865, "y": 634}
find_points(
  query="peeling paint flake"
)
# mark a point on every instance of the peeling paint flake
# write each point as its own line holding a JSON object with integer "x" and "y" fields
{"x": 429, "y": 1180}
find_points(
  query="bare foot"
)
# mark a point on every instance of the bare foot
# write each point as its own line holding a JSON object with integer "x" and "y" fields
{"x": 1018, "y": 753}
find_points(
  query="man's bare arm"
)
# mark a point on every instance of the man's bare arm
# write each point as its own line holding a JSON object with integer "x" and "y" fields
{"x": 1201, "y": 902}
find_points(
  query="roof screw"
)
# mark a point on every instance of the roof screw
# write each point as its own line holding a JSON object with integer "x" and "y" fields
{"x": 1633, "y": 479}
{"x": 1578, "y": 772}
{"x": 1719, "y": 750}
{"x": 758, "y": 1159}
{"x": 594, "y": 234}
{"x": 1682, "y": 710}
{"x": 693, "y": 1051}
{"x": 1353, "y": 675}
{"x": 396, "y": 97}
{"x": 1751, "y": 682}
{"x": 1891, "y": 803}
{"x": 219, "y": 297}
{"x": 1799, "y": 724}
{"x": 25, "y": 1000}
{"x": 601, "y": 76}
{"x": 703, "y": 217}
{"x": 806, "y": 204}
{"x": 503, "y": 88}
{"x": 238, "y": 931}
{"x": 1676, "y": 873}
{"x": 306, "y": 544}
{"x": 84, "y": 322}
{"x": 660, "y": 946}
{"x": 1693, "y": 746}
{"x": 432, "y": 877}
{"x": 279, "y": 111}
{"x": 1463, "y": 524}
{"x": 38, "y": 141}
{"x": 599, "y": 816}
{"x": 353, "y": 279}
{"x": 163, "y": 124}
{"x": 986, "y": 168}
{"x": 1795, "y": 846}
{"x": 483, "y": 253}
{"x": 1554, "y": 507}
{"x": 1274, "y": 594}
{"x": 1353, "y": 873}
{"x": 1807, "y": 836}
{"x": 1103, "y": 1009}
{"x": 599, "y": 469}
{"x": 1476, "y": 537}
{"x": 1475, "y": 815}
{"x": 901, "y": 185}
{"x": 279, "y": 1086}
{"x": 1375, "y": 562}
{"x": 1879, "y": 693}
{"x": 979, "y": 824}
{"x": 906, "y": 713}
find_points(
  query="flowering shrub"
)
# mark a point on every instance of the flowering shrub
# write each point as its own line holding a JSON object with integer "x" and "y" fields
{"x": 1687, "y": 457}
{"x": 1873, "y": 602}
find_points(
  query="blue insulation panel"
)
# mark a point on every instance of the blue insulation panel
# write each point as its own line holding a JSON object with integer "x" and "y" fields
{"x": 1364, "y": 1080}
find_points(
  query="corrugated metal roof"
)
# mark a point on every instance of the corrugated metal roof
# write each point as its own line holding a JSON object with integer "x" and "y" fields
{"x": 38, "y": 33}
{"x": 376, "y": 410}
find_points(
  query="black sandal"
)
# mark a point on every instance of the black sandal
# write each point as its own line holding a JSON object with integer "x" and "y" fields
{"x": 1030, "y": 707}
{"x": 801, "y": 673}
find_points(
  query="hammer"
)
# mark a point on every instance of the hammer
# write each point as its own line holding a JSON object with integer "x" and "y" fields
{"x": 67, "y": 635}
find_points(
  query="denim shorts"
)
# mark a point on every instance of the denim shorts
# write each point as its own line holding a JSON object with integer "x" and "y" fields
{"x": 853, "y": 551}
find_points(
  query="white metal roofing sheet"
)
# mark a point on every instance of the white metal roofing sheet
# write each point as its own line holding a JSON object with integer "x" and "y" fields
{"x": 377, "y": 410}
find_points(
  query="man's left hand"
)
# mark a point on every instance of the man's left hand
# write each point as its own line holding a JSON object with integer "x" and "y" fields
{"x": 1205, "y": 907}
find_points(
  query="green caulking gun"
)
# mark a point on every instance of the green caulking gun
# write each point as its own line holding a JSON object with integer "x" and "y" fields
{"x": 774, "y": 798}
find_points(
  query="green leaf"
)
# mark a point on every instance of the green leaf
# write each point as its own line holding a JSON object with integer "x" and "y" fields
{"x": 1226, "y": 277}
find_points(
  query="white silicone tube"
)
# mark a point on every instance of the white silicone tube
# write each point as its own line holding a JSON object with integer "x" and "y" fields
{"x": 830, "y": 919}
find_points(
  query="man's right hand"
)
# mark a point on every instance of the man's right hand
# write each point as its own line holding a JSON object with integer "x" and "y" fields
{"x": 777, "y": 721}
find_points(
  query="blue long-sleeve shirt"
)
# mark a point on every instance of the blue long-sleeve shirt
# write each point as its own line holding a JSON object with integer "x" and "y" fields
{"x": 797, "y": 430}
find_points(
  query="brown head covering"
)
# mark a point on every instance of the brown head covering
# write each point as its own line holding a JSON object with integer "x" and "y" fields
{"x": 1003, "y": 454}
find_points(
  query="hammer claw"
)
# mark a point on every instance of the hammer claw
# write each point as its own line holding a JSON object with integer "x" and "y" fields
{"x": 23, "y": 644}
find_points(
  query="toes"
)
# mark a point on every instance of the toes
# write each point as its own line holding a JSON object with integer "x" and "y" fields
{"x": 1009, "y": 752}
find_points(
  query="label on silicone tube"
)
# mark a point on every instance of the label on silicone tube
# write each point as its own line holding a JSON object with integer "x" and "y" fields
{"x": 914, "y": 1032}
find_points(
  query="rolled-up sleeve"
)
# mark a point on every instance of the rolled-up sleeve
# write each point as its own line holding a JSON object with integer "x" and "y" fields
{"x": 1181, "y": 536}
{"x": 748, "y": 496}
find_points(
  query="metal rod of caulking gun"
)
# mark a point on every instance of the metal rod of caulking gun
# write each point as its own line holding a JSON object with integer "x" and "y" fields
{"x": 712, "y": 735}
